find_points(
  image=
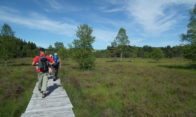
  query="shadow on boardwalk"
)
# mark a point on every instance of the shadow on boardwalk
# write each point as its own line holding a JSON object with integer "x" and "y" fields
{"x": 50, "y": 89}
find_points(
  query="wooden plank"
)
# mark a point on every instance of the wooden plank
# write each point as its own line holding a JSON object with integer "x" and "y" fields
{"x": 55, "y": 104}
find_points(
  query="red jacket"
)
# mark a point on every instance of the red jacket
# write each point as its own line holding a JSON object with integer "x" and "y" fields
{"x": 37, "y": 58}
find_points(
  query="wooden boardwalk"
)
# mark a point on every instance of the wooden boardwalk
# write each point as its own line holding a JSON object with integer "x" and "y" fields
{"x": 55, "y": 104}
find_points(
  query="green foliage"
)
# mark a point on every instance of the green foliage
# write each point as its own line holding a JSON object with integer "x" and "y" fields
{"x": 58, "y": 45}
{"x": 7, "y": 31}
{"x": 143, "y": 52}
{"x": 121, "y": 41}
{"x": 102, "y": 54}
{"x": 6, "y": 49}
{"x": 50, "y": 50}
{"x": 63, "y": 53}
{"x": 157, "y": 54}
{"x": 82, "y": 50}
{"x": 122, "y": 38}
{"x": 190, "y": 52}
{"x": 112, "y": 51}
{"x": 13, "y": 47}
{"x": 147, "y": 55}
{"x": 168, "y": 51}
{"x": 190, "y": 36}
{"x": 60, "y": 49}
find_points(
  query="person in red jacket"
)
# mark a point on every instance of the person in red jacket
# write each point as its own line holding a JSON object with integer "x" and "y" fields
{"x": 42, "y": 62}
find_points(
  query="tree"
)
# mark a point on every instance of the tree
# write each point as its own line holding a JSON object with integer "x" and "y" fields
{"x": 50, "y": 49}
{"x": 7, "y": 31}
{"x": 63, "y": 53}
{"x": 168, "y": 51}
{"x": 82, "y": 47}
{"x": 121, "y": 41}
{"x": 7, "y": 45}
{"x": 13, "y": 47}
{"x": 58, "y": 45}
{"x": 190, "y": 35}
{"x": 157, "y": 54}
{"x": 190, "y": 52}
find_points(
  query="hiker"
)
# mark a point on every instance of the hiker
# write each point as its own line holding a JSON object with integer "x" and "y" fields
{"x": 42, "y": 61}
{"x": 56, "y": 65}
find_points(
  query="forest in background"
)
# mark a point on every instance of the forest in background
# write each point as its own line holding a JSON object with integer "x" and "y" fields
{"x": 14, "y": 47}
{"x": 82, "y": 50}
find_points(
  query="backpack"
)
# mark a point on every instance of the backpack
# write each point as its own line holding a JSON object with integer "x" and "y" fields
{"x": 56, "y": 61}
{"x": 43, "y": 64}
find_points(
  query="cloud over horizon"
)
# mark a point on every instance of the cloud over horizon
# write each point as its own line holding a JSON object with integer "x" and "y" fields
{"x": 145, "y": 21}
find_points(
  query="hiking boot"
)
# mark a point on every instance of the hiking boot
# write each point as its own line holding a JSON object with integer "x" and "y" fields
{"x": 43, "y": 95}
{"x": 40, "y": 91}
{"x": 55, "y": 79}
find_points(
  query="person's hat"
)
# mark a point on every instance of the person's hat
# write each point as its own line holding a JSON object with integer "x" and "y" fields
{"x": 41, "y": 49}
{"x": 55, "y": 54}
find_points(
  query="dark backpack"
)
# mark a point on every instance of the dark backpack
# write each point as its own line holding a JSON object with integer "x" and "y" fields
{"x": 43, "y": 64}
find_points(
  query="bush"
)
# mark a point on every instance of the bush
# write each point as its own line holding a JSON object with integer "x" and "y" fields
{"x": 85, "y": 59}
{"x": 190, "y": 52}
{"x": 157, "y": 54}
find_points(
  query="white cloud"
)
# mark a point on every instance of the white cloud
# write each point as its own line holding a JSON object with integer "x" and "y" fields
{"x": 171, "y": 43}
{"x": 40, "y": 22}
{"x": 115, "y": 1}
{"x": 110, "y": 10}
{"x": 37, "y": 21}
{"x": 105, "y": 36}
{"x": 136, "y": 41}
{"x": 150, "y": 14}
{"x": 55, "y": 4}
{"x": 59, "y": 6}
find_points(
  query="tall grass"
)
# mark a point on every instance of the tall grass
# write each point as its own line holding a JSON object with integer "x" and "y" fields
{"x": 133, "y": 87}
{"x": 17, "y": 80}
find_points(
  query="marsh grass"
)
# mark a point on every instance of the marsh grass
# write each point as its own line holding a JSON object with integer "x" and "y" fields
{"x": 132, "y": 88}
{"x": 17, "y": 81}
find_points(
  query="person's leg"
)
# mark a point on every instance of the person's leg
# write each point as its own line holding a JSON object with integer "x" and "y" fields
{"x": 50, "y": 71}
{"x": 57, "y": 70}
{"x": 39, "y": 74}
{"x": 55, "y": 73}
{"x": 44, "y": 82}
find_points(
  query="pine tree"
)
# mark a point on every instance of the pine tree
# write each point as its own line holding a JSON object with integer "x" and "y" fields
{"x": 7, "y": 31}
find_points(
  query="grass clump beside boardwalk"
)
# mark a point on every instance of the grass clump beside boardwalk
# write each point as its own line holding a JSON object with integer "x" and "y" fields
{"x": 132, "y": 88}
{"x": 17, "y": 81}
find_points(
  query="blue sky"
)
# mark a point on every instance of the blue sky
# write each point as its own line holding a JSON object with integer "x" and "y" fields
{"x": 147, "y": 22}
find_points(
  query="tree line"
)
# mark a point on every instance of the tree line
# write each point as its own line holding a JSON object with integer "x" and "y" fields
{"x": 142, "y": 52}
{"x": 13, "y": 47}
{"x": 82, "y": 51}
